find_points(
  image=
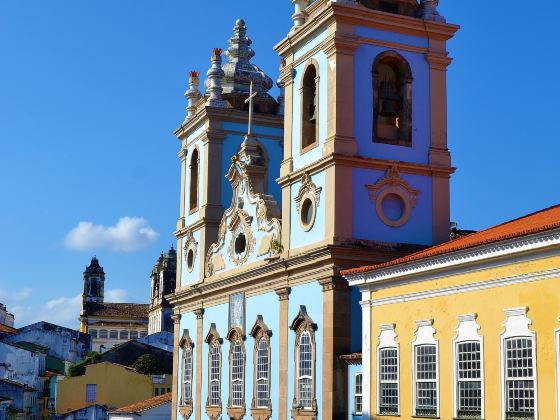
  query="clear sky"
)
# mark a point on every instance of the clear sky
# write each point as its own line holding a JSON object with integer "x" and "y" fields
{"x": 91, "y": 92}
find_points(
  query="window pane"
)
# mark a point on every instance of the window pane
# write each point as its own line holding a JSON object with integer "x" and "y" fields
{"x": 262, "y": 374}
{"x": 237, "y": 375}
{"x": 469, "y": 392}
{"x": 520, "y": 384}
{"x": 187, "y": 377}
{"x": 133, "y": 335}
{"x": 91, "y": 393}
{"x": 305, "y": 371}
{"x": 124, "y": 335}
{"x": 114, "y": 334}
{"x": 215, "y": 375}
{"x": 358, "y": 393}
{"x": 388, "y": 385}
{"x": 426, "y": 377}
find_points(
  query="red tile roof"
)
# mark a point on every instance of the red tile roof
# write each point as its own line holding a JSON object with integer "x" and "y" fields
{"x": 537, "y": 222}
{"x": 118, "y": 310}
{"x": 6, "y": 329}
{"x": 140, "y": 406}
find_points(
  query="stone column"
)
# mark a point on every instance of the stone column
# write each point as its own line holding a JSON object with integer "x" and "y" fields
{"x": 336, "y": 341}
{"x": 199, "y": 344}
{"x": 174, "y": 402}
{"x": 283, "y": 296}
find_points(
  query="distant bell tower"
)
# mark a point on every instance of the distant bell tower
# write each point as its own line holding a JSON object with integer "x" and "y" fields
{"x": 162, "y": 279}
{"x": 94, "y": 282}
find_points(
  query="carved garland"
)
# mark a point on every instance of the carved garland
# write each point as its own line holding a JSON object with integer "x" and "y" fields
{"x": 236, "y": 412}
{"x": 393, "y": 184}
{"x": 186, "y": 405}
{"x": 260, "y": 332}
{"x": 191, "y": 246}
{"x": 308, "y": 190}
{"x": 241, "y": 225}
{"x": 213, "y": 340}
{"x": 303, "y": 323}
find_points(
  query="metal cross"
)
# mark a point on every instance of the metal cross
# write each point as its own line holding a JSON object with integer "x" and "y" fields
{"x": 249, "y": 100}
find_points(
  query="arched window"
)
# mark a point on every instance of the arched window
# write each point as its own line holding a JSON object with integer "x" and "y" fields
{"x": 236, "y": 405}
{"x": 214, "y": 401}
{"x": 309, "y": 107}
{"x": 261, "y": 407}
{"x": 187, "y": 376}
{"x": 193, "y": 191}
{"x": 392, "y": 100}
{"x": 305, "y": 403}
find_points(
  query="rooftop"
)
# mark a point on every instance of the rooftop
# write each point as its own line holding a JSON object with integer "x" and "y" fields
{"x": 148, "y": 404}
{"x": 118, "y": 310}
{"x": 533, "y": 223}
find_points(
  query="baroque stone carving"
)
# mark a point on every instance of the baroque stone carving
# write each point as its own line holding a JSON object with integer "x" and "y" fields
{"x": 237, "y": 220}
{"x": 191, "y": 246}
{"x": 429, "y": 10}
{"x": 307, "y": 188}
{"x": 393, "y": 184}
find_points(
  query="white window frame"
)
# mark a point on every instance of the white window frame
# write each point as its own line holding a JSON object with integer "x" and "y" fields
{"x": 300, "y": 377}
{"x": 211, "y": 378}
{"x": 237, "y": 377}
{"x": 467, "y": 332}
{"x": 387, "y": 340}
{"x": 424, "y": 335}
{"x": 187, "y": 375}
{"x": 94, "y": 392}
{"x": 517, "y": 325}
{"x": 259, "y": 377}
{"x": 356, "y": 394}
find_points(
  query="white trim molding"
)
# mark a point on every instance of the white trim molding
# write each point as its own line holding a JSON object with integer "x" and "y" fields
{"x": 366, "y": 356}
{"x": 387, "y": 341}
{"x": 471, "y": 255}
{"x": 469, "y": 287}
{"x": 467, "y": 332}
{"x": 424, "y": 336}
{"x": 517, "y": 325}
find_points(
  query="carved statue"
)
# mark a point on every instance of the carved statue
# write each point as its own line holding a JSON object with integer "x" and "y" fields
{"x": 429, "y": 10}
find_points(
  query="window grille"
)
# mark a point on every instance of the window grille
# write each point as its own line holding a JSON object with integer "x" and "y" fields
{"x": 187, "y": 376}
{"x": 305, "y": 371}
{"x": 388, "y": 381}
{"x": 469, "y": 380}
{"x": 93, "y": 333}
{"x": 520, "y": 379}
{"x": 124, "y": 335}
{"x": 237, "y": 375}
{"x": 426, "y": 380}
{"x": 102, "y": 333}
{"x": 215, "y": 375}
{"x": 262, "y": 374}
{"x": 114, "y": 334}
{"x": 91, "y": 393}
{"x": 133, "y": 335}
{"x": 358, "y": 394}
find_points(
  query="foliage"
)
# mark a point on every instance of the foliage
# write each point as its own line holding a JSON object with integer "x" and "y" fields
{"x": 148, "y": 364}
{"x": 276, "y": 247}
{"x": 79, "y": 368}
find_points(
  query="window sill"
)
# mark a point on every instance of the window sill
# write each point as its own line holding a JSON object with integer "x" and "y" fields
{"x": 396, "y": 142}
{"x": 309, "y": 147}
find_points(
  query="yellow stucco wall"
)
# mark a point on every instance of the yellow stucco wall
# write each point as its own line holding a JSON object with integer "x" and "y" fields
{"x": 542, "y": 298}
{"x": 117, "y": 386}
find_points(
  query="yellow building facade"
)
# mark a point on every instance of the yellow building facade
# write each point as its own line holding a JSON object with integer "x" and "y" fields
{"x": 104, "y": 384}
{"x": 467, "y": 329}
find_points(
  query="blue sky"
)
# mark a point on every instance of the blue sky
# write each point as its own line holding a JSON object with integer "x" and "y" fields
{"x": 92, "y": 91}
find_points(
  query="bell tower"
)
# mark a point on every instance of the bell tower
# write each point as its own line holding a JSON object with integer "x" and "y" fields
{"x": 365, "y": 131}
{"x": 94, "y": 283}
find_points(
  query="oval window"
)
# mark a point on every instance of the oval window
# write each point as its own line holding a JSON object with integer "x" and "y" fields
{"x": 190, "y": 259}
{"x": 393, "y": 207}
{"x": 240, "y": 244}
{"x": 307, "y": 213}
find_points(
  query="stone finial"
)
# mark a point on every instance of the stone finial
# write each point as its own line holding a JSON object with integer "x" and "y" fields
{"x": 429, "y": 10}
{"x": 193, "y": 95}
{"x": 299, "y": 12}
{"x": 214, "y": 85}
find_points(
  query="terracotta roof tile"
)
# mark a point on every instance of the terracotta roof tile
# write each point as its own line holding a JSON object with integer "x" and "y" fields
{"x": 140, "y": 406}
{"x": 6, "y": 329}
{"x": 125, "y": 310}
{"x": 539, "y": 221}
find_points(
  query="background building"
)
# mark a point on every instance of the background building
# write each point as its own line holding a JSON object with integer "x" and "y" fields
{"x": 162, "y": 283}
{"x": 108, "y": 324}
{"x": 466, "y": 329}
{"x": 150, "y": 409}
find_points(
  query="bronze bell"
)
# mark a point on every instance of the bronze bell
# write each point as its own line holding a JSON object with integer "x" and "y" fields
{"x": 389, "y": 108}
{"x": 313, "y": 109}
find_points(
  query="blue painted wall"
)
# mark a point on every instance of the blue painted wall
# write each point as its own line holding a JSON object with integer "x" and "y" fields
{"x": 355, "y": 320}
{"x": 188, "y": 321}
{"x": 352, "y": 370}
{"x": 193, "y": 276}
{"x": 418, "y": 229}
{"x": 298, "y": 236}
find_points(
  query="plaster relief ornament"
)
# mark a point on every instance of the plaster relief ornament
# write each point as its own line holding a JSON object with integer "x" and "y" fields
{"x": 189, "y": 250}
{"x": 307, "y": 201}
{"x": 393, "y": 198}
{"x": 429, "y": 11}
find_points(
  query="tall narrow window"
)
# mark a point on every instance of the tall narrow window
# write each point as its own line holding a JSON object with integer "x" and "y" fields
{"x": 519, "y": 393}
{"x": 236, "y": 404}
{"x": 214, "y": 375}
{"x": 187, "y": 376}
{"x": 309, "y": 108}
{"x": 392, "y": 100}
{"x": 358, "y": 394}
{"x": 388, "y": 371}
{"x": 214, "y": 401}
{"x": 468, "y": 369}
{"x": 261, "y": 407}
{"x": 304, "y": 400}
{"x": 425, "y": 367}
{"x": 91, "y": 393}
{"x": 193, "y": 191}
{"x": 185, "y": 402}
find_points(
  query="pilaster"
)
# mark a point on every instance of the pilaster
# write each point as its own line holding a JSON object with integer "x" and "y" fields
{"x": 174, "y": 401}
{"x": 336, "y": 325}
{"x": 283, "y": 296}
{"x": 366, "y": 355}
{"x": 199, "y": 328}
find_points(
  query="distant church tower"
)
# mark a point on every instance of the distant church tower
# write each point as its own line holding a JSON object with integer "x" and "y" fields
{"x": 162, "y": 283}
{"x": 94, "y": 282}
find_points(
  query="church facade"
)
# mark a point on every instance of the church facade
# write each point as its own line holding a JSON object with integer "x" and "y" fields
{"x": 348, "y": 167}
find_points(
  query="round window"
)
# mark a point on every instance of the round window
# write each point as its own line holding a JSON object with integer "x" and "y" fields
{"x": 307, "y": 213}
{"x": 240, "y": 244}
{"x": 393, "y": 207}
{"x": 190, "y": 259}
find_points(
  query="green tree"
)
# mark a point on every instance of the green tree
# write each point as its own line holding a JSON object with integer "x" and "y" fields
{"x": 148, "y": 364}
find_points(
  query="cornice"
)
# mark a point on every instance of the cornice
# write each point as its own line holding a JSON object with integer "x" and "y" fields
{"x": 506, "y": 248}
{"x": 365, "y": 163}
